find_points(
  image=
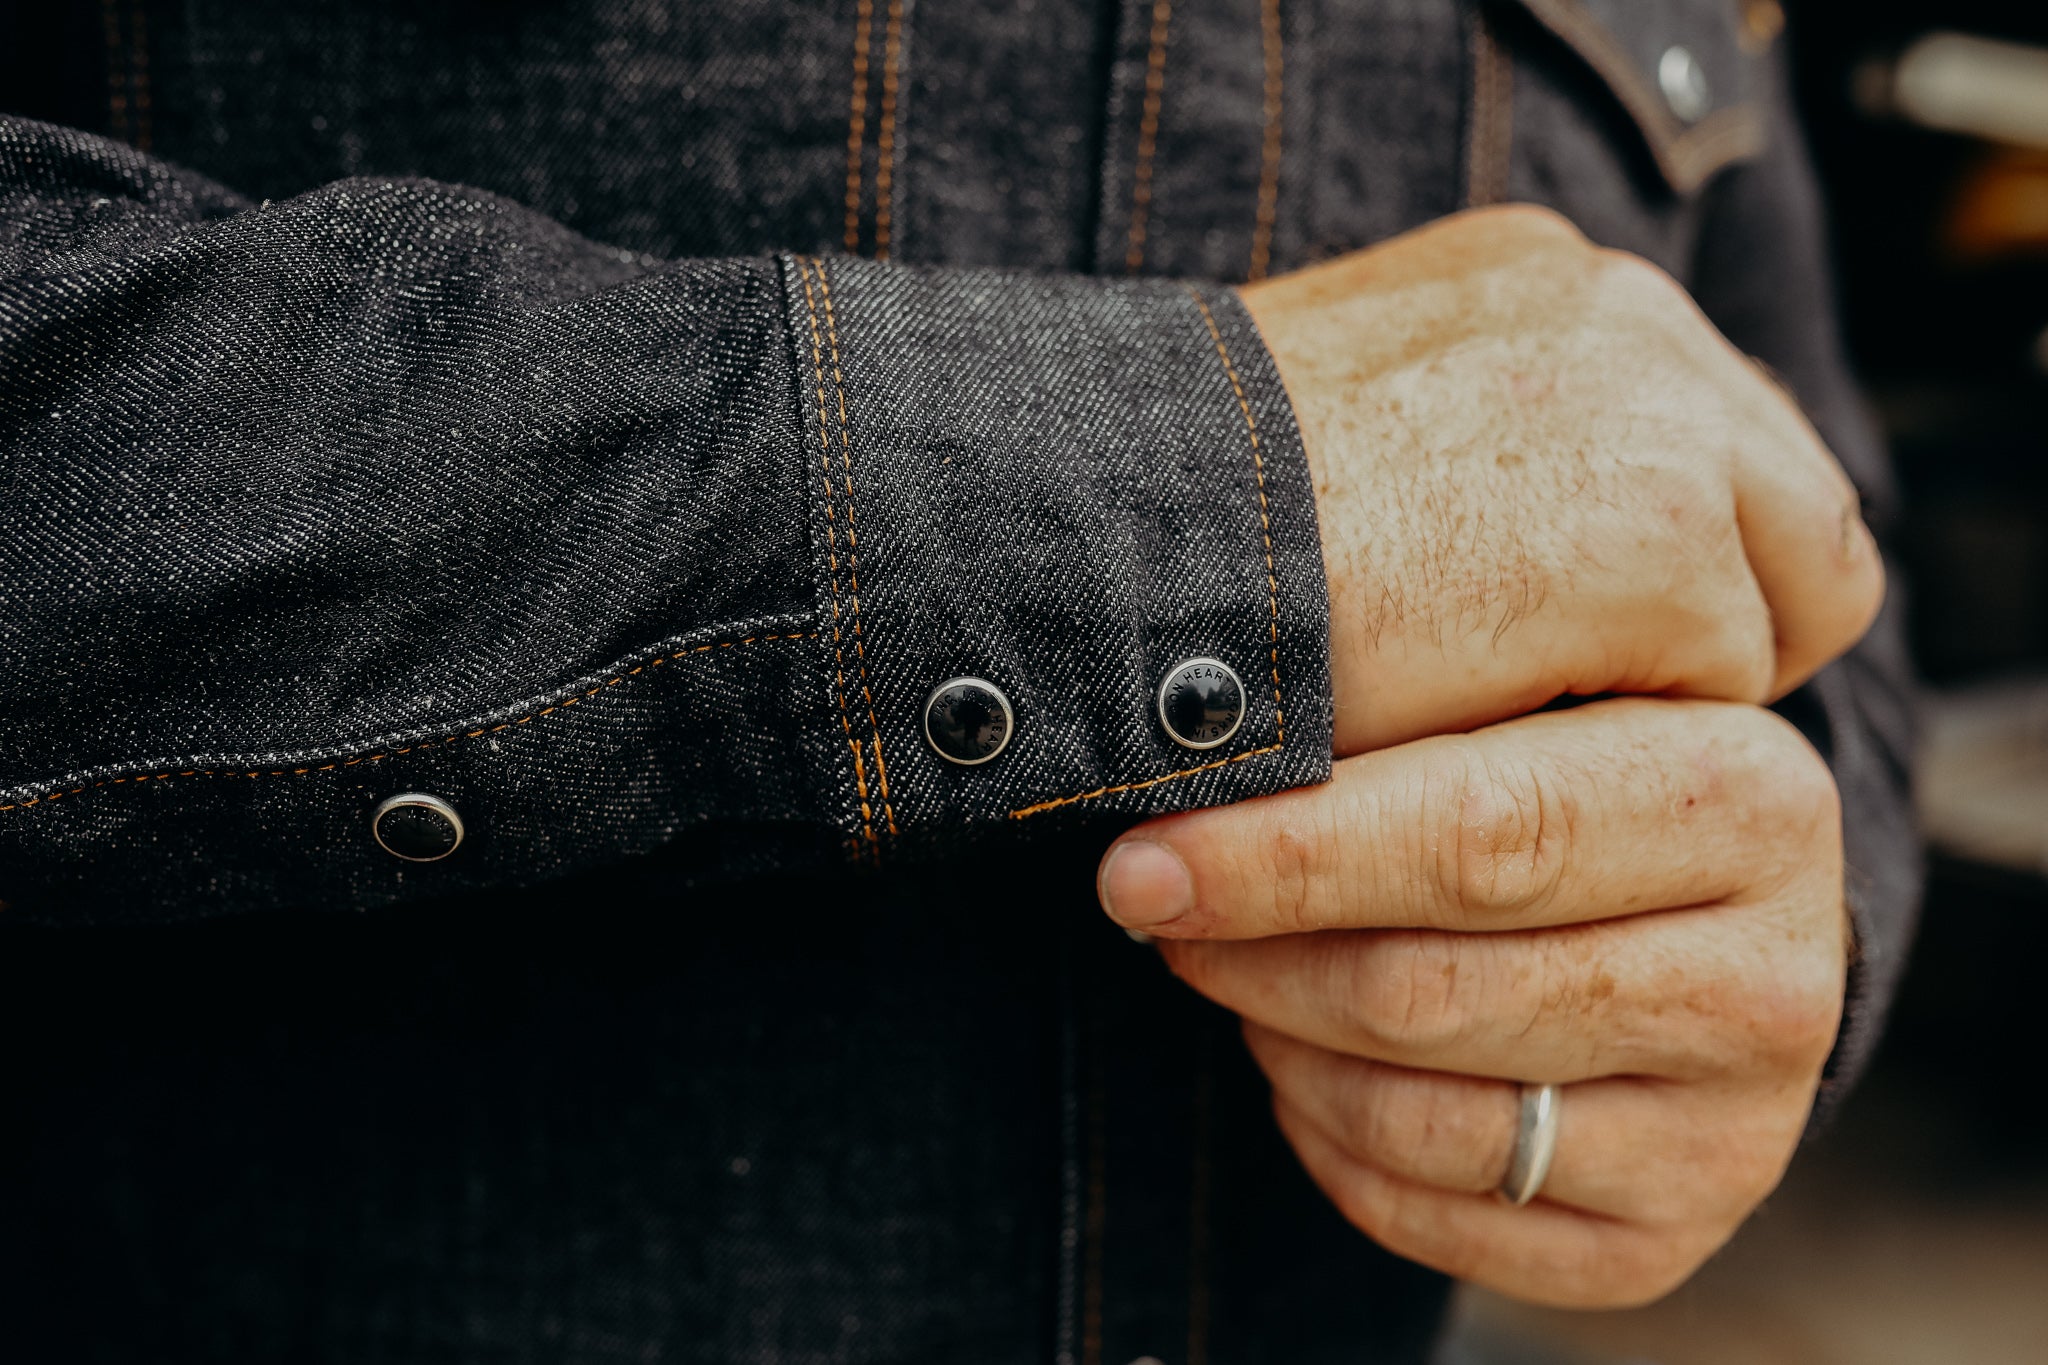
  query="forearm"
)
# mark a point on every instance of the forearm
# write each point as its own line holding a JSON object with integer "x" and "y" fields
{"x": 395, "y": 487}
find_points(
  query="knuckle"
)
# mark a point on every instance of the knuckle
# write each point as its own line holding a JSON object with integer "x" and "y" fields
{"x": 1455, "y": 1133}
{"x": 1296, "y": 852}
{"x": 1502, "y": 836}
{"x": 1407, "y": 992}
{"x": 1747, "y": 649}
{"x": 1868, "y": 598}
{"x": 1640, "y": 286}
{"x": 1793, "y": 783}
{"x": 1793, "y": 1018}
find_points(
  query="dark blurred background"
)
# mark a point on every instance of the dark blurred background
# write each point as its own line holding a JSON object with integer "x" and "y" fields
{"x": 1916, "y": 1229}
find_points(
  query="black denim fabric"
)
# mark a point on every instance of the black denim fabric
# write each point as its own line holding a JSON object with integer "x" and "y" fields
{"x": 626, "y": 501}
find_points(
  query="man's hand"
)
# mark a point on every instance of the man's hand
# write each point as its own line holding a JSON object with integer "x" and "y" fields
{"x": 1639, "y": 899}
{"x": 1541, "y": 472}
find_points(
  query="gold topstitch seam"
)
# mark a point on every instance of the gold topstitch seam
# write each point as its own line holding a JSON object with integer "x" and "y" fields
{"x": 1148, "y": 136}
{"x": 1251, "y": 427}
{"x": 860, "y": 775}
{"x": 1272, "y": 109}
{"x": 885, "y": 167}
{"x": 860, "y": 653}
{"x": 857, "y": 123}
{"x": 441, "y": 743}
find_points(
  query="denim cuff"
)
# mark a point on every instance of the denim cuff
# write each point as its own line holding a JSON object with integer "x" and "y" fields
{"x": 326, "y": 512}
{"x": 1065, "y": 487}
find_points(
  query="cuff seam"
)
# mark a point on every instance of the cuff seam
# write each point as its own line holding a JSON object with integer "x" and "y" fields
{"x": 804, "y": 265}
{"x": 1251, "y": 427}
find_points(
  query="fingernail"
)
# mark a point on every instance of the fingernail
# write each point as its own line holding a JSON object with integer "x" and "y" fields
{"x": 1144, "y": 885}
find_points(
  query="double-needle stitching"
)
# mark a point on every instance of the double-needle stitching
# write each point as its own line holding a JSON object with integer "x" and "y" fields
{"x": 1251, "y": 427}
{"x": 804, "y": 265}
{"x": 833, "y": 484}
{"x": 857, "y": 123}
{"x": 857, "y": 126}
{"x": 860, "y": 652}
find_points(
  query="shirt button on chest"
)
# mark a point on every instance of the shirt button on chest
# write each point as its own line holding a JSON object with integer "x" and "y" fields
{"x": 1201, "y": 703}
{"x": 968, "y": 720}
{"x": 1684, "y": 83}
{"x": 417, "y": 827}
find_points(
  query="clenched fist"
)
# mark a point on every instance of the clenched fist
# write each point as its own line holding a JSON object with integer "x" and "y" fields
{"x": 1639, "y": 898}
{"x": 1540, "y": 473}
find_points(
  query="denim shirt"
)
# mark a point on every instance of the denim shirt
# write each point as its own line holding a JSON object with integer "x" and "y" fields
{"x": 614, "y": 418}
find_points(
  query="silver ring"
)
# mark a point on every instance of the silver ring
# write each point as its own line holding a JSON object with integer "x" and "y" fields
{"x": 1535, "y": 1145}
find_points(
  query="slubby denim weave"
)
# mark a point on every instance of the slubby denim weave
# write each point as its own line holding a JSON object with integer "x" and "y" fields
{"x": 596, "y": 549}
{"x": 614, "y": 417}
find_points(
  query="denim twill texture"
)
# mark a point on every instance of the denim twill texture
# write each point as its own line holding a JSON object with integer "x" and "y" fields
{"x": 497, "y": 376}
{"x": 469, "y": 473}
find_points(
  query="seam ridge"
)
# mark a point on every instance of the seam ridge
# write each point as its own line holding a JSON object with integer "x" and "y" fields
{"x": 857, "y": 123}
{"x": 1271, "y": 113}
{"x": 1148, "y": 137}
{"x": 885, "y": 141}
{"x": 860, "y": 653}
{"x": 1251, "y": 427}
{"x": 476, "y": 728}
{"x": 860, "y": 772}
{"x": 1057, "y": 802}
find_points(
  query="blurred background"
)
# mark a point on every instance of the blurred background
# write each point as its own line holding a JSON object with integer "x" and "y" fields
{"x": 1916, "y": 1229}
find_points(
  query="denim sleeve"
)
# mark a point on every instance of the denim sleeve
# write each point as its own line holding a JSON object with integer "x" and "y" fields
{"x": 397, "y": 487}
{"x": 1763, "y": 278}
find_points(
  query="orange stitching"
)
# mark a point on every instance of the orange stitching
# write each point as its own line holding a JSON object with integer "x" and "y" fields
{"x": 1269, "y": 150}
{"x": 892, "y": 48}
{"x": 1148, "y": 136}
{"x": 442, "y": 743}
{"x": 860, "y": 652}
{"x": 860, "y": 776}
{"x": 1251, "y": 427}
{"x": 1265, "y": 510}
{"x": 1140, "y": 786}
{"x": 857, "y": 123}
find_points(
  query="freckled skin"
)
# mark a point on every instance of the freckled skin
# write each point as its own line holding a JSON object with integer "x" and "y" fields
{"x": 1539, "y": 472}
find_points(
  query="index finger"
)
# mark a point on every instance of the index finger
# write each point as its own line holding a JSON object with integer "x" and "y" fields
{"x": 1608, "y": 809}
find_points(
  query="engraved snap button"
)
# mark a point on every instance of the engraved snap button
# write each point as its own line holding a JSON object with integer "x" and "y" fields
{"x": 1201, "y": 703}
{"x": 968, "y": 720}
{"x": 1684, "y": 82}
{"x": 417, "y": 827}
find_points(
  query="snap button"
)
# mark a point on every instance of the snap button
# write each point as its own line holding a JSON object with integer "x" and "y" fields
{"x": 1201, "y": 703}
{"x": 968, "y": 720}
{"x": 1685, "y": 84}
{"x": 417, "y": 827}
